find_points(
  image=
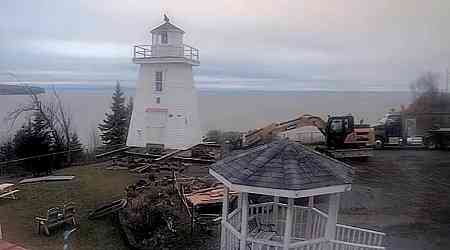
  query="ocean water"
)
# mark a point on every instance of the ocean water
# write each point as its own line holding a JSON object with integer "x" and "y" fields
{"x": 225, "y": 110}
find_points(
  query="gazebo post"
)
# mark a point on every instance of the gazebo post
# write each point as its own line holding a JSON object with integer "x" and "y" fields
{"x": 244, "y": 221}
{"x": 333, "y": 208}
{"x": 224, "y": 217}
{"x": 239, "y": 202}
{"x": 309, "y": 219}
{"x": 288, "y": 224}
{"x": 276, "y": 200}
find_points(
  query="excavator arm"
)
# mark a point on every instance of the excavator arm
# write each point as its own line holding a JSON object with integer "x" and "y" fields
{"x": 268, "y": 132}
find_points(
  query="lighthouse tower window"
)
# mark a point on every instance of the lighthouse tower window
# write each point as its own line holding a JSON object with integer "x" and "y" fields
{"x": 158, "y": 81}
{"x": 158, "y": 100}
{"x": 164, "y": 38}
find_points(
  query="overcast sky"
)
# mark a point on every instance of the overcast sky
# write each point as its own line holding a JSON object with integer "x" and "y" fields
{"x": 257, "y": 44}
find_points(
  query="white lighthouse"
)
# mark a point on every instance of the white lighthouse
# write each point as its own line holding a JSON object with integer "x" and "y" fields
{"x": 165, "y": 109}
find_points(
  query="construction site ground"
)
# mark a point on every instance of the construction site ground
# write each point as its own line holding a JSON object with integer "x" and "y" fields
{"x": 405, "y": 193}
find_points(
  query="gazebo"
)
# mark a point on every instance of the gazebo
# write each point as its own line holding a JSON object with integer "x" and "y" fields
{"x": 287, "y": 171}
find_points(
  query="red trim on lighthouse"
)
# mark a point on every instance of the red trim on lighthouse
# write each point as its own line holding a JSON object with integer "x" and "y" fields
{"x": 156, "y": 110}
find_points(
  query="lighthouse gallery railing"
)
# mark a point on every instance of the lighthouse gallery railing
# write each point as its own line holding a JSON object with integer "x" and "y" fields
{"x": 158, "y": 51}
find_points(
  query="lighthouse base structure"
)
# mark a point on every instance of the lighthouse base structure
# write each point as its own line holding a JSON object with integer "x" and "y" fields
{"x": 167, "y": 115}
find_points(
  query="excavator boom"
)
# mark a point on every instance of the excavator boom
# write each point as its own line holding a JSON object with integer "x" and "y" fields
{"x": 268, "y": 132}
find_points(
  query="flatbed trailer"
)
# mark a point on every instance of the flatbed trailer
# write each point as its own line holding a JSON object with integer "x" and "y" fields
{"x": 350, "y": 153}
{"x": 438, "y": 138}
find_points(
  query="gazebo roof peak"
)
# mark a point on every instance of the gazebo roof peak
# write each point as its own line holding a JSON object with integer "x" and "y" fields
{"x": 283, "y": 168}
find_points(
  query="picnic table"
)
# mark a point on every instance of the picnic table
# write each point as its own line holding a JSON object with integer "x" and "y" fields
{"x": 57, "y": 216}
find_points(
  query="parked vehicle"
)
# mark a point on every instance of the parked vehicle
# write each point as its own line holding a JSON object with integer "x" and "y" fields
{"x": 413, "y": 129}
{"x": 344, "y": 138}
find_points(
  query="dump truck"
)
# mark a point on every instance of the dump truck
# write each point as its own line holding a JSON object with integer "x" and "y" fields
{"x": 343, "y": 138}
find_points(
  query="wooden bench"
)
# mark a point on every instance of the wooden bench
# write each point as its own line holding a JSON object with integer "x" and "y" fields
{"x": 57, "y": 216}
{"x": 261, "y": 231}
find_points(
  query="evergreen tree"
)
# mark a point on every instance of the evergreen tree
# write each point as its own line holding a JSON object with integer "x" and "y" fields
{"x": 34, "y": 138}
{"x": 114, "y": 127}
{"x": 75, "y": 143}
{"x": 7, "y": 151}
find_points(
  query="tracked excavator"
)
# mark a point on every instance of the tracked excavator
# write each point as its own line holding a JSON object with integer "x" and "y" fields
{"x": 344, "y": 138}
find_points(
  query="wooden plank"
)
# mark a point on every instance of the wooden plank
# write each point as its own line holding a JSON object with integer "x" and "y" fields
{"x": 9, "y": 195}
{"x": 48, "y": 178}
{"x": 167, "y": 155}
{"x": 111, "y": 152}
{"x": 4, "y": 186}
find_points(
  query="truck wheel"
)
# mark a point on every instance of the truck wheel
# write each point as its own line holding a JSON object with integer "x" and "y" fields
{"x": 431, "y": 144}
{"x": 379, "y": 143}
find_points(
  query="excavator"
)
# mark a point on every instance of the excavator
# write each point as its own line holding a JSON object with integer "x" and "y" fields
{"x": 344, "y": 138}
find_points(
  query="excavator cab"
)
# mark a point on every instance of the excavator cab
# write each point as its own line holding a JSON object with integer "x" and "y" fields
{"x": 337, "y": 130}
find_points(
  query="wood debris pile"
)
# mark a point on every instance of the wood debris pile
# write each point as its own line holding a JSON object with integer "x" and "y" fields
{"x": 153, "y": 218}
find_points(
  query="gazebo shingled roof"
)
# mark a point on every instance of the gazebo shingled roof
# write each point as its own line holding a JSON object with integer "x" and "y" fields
{"x": 283, "y": 165}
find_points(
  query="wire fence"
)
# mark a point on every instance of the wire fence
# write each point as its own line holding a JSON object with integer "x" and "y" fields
{"x": 46, "y": 163}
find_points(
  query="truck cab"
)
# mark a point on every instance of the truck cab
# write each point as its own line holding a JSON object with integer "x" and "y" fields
{"x": 337, "y": 130}
{"x": 388, "y": 130}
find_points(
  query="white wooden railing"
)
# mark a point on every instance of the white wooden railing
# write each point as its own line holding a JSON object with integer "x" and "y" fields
{"x": 157, "y": 51}
{"x": 341, "y": 245}
{"x": 234, "y": 218}
{"x": 232, "y": 237}
{"x": 359, "y": 235}
{"x": 308, "y": 232}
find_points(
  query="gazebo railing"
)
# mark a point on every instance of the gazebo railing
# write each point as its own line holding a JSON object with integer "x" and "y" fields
{"x": 319, "y": 223}
{"x": 264, "y": 244}
{"x": 341, "y": 245}
{"x": 232, "y": 237}
{"x": 358, "y": 235}
{"x": 234, "y": 218}
{"x": 308, "y": 231}
{"x": 317, "y": 244}
{"x": 264, "y": 212}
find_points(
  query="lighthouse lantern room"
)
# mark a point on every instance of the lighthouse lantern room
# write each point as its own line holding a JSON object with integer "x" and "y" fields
{"x": 165, "y": 108}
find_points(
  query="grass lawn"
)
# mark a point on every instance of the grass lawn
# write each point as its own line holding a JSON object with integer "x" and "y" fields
{"x": 91, "y": 187}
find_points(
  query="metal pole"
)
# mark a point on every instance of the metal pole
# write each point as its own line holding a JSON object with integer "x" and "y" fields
{"x": 66, "y": 235}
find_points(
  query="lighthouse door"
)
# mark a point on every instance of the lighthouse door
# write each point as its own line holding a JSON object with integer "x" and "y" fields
{"x": 156, "y": 123}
